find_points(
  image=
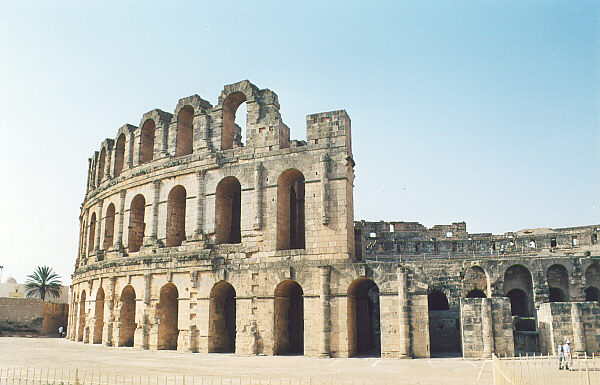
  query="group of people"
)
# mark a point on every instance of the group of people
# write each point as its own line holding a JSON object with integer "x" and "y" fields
{"x": 565, "y": 359}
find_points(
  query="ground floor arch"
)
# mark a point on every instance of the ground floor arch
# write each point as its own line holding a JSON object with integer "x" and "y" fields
{"x": 222, "y": 319}
{"x": 444, "y": 325}
{"x": 556, "y": 295}
{"x": 476, "y": 293}
{"x": 364, "y": 329}
{"x": 99, "y": 316}
{"x": 289, "y": 319}
{"x": 127, "y": 317}
{"x": 167, "y": 312}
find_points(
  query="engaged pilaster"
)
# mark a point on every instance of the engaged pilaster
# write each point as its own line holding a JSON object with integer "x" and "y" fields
{"x": 98, "y": 226}
{"x": 324, "y": 302}
{"x": 153, "y": 238}
{"x": 119, "y": 241}
{"x": 324, "y": 189}
{"x": 258, "y": 196}
{"x": 403, "y": 313}
{"x": 487, "y": 327}
{"x": 578, "y": 332}
{"x": 200, "y": 205}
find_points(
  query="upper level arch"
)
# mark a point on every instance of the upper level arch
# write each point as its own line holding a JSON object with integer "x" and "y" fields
{"x": 475, "y": 280}
{"x": 183, "y": 127}
{"x": 557, "y": 278}
{"x": 290, "y": 210}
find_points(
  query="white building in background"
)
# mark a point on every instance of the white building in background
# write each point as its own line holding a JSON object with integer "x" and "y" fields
{"x": 11, "y": 289}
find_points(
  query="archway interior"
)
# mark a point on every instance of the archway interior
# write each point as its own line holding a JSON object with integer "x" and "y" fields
{"x": 228, "y": 208}
{"x": 222, "y": 330}
{"x": 81, "y": 317}
{"x": 119, "y": 155}
{"x": 185, "y": 131}
{"x": 137, "y": 226}
{"x": 176, "y": 216}
{"x": 476, "y": 293}
{"x": 289, "y": 319}
{"x": 364, "y": 329}
{"x": 147, "y": 141}
{"x": 518, "y": 303}
{"x": 127, "y": 317}
{"x": 475, "y": 281}
{"x": 109, "y": 227}
{"x": 558, "y": 283}
{"x": 518, "y": 286}
{"x": 234, "y": 121}
{"x": 290, "y": 210}
{"x": 444, "y": 325}
{"x": 556, "y": 295}
{"x": 99, "y": 316}
{"x": 168, "y": 315}
{"x": 592, "y": 294}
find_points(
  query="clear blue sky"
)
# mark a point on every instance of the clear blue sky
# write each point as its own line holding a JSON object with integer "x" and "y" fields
{"x": 481, "y": 111}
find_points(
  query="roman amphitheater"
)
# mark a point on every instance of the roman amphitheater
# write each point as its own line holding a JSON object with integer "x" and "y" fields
{"x": 191, "y": 240}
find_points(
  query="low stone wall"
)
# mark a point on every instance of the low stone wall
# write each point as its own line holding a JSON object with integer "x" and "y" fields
{"x": 484, "y": 331}
{"x": 32, "y": 315}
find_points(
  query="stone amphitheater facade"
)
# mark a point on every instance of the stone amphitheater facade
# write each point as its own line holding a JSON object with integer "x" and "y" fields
{"x": 192, "y": 240}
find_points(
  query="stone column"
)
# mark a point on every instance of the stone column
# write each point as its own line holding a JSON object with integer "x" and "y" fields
{"x": 258, "y": 196}
{"x": 578, "y": 332}
{"x": 108, "y": 164}
{"x": 147, "y": 296}
{"x": 89, "y": 176}
{"x": 324, "y": 189}
{"x": 98, "y": 225}
{"x": 487, "y": 327}
{"x": 165, "y": 139}
{"x": 129, "y": 163}
{"x": 153, "y": 238}
{"x": 403, "y": 314}
{"x": 200, "y": 204}
{"x": 192, "y": 339}
{"x": 324, "y": 304}
{"x": 119, "y": 241}
{"x": 109, "y": 299}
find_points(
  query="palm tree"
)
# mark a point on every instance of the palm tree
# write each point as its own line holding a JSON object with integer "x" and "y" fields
{"x": 43, "y": 281}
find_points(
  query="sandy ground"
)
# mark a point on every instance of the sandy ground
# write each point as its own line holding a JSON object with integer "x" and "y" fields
{"x": 60, "y": 353}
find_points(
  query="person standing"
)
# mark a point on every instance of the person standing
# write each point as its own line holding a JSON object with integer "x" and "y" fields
{"x": 60, "y": 332}
{"x": 568, "y": 357}
{"x": 561, "y": 355}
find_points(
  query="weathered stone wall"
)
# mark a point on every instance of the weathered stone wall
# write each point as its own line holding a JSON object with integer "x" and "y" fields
{"x": 33, "y": 315}
{"x": 485, "y": 332}
{"x": 578, "y": 322}
{"x": 179, "y": 208}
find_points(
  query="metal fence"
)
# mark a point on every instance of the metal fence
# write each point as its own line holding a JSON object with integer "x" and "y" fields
{"x": 532, "y": 370}
{"x": 39, "y": 376}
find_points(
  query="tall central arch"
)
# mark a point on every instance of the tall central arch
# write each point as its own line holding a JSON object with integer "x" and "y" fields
{"x": 168, "y": 315}
{"x": 289, "y": 318}
{"x": 364, "y": 329}
{"x": 221, "y": 333}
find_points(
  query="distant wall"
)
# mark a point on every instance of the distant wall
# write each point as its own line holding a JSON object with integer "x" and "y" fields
{"x": 31, "y": 314}
{"x": 555, "y": 322}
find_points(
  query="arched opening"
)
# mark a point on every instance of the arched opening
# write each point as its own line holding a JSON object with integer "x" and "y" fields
{"x": 147, "y": 141}
{"x": 592, "y": 294}
{"x": 101, "y": 164}
{"x": 475, "y": 280}
{"x": 556, "y": 295}
{"x": 592, "y": 275}
{"x": 436, "y": 301}
{"x": 231, "y": 127}
{"x": 364, "y": 330}
{"x": 476, "y": 293}
{"x": 289, "y": 319}
{"x": 444, "y": 324}
{"x": 109, "y": 227}
{"x": 137, "y": 226}
{"x": 81, "y": 327}
{"x": 519, "y": 277}
{"x": 119, "y": 155}
{"x": 127, "y": 317}
{"x": 290, "y": 210}
{"x": 558, "y": 283}
{"x": 176, "y": 216}
{"x": 185, "y": 131}
{"x": 168, "y": 315}
{"x": 99, "y": 316}
{"x": 221, "y": 333}
{"x": 92, "y": 234}
{"x": 228, "y": 208}
{"x": 518, "y": 303}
